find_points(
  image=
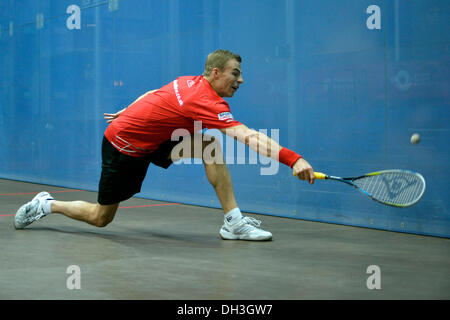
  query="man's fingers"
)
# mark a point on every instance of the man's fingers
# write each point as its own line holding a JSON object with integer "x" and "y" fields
{"x": 301, "y": 175}
{"x": 312, "y": 178}
{"x": 109, "y": 117}
{"x": 307, "y": 175}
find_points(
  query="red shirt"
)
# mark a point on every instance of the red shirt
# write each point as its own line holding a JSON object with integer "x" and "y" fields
{"x": 151, "y": 120}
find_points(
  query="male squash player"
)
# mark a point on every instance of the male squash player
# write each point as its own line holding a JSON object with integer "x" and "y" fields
{"x": 142, "y": 134}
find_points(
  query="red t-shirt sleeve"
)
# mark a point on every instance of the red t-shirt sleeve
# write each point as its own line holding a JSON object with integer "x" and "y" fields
{"x": 214, "y": 115}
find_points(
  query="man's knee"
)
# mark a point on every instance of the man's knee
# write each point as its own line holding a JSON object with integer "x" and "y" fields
{"x": 102, "y": 221}
{"x": 104, "y": 214}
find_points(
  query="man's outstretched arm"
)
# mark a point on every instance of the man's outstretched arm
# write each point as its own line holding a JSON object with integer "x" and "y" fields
{"x": 268, "y": 147}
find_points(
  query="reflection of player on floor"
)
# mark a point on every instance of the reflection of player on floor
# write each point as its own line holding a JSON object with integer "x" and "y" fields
{"x": 140, "y": 134}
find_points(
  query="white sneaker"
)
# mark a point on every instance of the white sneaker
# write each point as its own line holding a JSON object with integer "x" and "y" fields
{"x": 31, "y": 211}
{"x": 245, "y": 229}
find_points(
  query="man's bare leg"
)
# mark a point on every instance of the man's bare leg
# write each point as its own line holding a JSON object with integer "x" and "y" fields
{"x": 215, "y": 167}
{"x": 92, "y": 213}
{"x": 236, "y": 226}
{"x": 219, "y": 177}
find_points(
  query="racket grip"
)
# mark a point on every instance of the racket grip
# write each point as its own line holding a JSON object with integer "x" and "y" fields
{"x": 320, "y": 175}
{"x": 317, "y": 175}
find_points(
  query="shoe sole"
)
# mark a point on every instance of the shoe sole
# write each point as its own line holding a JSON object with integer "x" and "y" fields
{"x": 21, "y": 209}
{"x": 229, "y": 236}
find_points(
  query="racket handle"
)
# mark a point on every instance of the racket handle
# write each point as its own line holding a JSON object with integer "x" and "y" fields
{"x": 320, "y": 175}
{"x": 317, "y": 175}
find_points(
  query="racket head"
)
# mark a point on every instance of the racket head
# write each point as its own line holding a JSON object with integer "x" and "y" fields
{"x": 397, "y": 188}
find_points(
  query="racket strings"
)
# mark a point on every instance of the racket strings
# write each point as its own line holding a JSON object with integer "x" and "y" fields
{"x": 396, "y": 188}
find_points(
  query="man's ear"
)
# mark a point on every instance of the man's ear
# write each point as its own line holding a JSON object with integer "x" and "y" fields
{"x": 215, "y": 72}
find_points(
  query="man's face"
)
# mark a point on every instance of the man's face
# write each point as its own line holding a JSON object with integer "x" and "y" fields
{"x": 228, "y": 80}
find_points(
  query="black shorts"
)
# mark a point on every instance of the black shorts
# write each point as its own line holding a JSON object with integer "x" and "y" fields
{"x": 122, "y": 175}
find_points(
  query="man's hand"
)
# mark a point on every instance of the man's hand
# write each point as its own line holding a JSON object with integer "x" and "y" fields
{"x": 304, "y": 171}
{"x": 109, "y": 117}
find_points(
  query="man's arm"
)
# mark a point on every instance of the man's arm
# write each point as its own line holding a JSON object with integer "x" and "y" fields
{"x": 268, "y": 147}
{"x": 109, "y": 117}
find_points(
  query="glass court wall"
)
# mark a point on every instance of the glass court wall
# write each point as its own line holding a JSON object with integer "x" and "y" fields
{"x": 344, "y": 83}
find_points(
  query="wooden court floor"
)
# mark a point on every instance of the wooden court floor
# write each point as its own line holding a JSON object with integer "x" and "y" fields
{"x": 170, "y": 251}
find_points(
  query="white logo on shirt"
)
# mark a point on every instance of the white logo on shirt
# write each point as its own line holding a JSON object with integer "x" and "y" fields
{"x": 177, "y": 93}
{"x": 190, "y": 83}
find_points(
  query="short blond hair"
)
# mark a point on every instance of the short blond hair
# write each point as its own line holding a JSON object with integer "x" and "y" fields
{"x": 218, "y": 59}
